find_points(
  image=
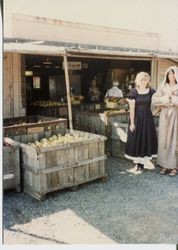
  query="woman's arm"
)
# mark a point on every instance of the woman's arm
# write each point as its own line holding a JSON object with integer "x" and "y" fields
{"x": 174, "y": 98}
{"x": 132, "y": 114}
{"x": 159, "y": 99}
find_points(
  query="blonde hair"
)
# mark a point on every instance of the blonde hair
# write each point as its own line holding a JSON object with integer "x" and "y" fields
{"x": 139, "y": 77}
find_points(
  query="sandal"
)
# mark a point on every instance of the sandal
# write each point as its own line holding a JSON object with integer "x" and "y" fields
{"x": 163, "y": 171}
{"x": 173, "y": 172}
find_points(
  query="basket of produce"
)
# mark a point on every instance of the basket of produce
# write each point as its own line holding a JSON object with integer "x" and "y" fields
{"x": 112, "y": 103}
{"x": 77, "y": 99}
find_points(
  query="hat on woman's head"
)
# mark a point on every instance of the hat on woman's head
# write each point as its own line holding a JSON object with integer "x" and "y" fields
{"x": 115, "y": 83}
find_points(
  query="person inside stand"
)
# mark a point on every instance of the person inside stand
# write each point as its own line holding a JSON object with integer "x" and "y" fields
{"x": 141, "y": 144}
{"x": 94, "y": 92}
{"x": 166, "y": 98}
{"x": 114, "y": 91}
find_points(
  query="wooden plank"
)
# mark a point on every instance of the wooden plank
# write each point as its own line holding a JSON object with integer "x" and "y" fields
{"x": 81, "y": 174}
{"x": 16, "y": 83}
{"x": 61, "y": 157}
{"x": 85, "y": 152}
{"x": 101, "y": 148}
{"x": 7, "y": 86}
{"x": 54, "y": 179}
{"x": 102, "y": 167}
{"x": 94, "y": 169}
{"x": 71, "y": 165}
{"x": 33, "y": 130}
{"x": 31, "y": 192}
{"x": 11, "y": 165}
{"x": 42, "y": 161}
{"x": 48, "y": 180}
{"x": 43, "y": 183}
{"x": 68, "y": 92}
{"x": 51, "y": 159}
{"x": 66, "y": 177}
{"x": 118, "y": 148}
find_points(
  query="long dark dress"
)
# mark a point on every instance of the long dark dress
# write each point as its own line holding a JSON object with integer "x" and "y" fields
{"x": 143, "y": 141}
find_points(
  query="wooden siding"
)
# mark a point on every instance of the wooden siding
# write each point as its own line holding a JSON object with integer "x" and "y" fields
{"x": 14, "y": 87}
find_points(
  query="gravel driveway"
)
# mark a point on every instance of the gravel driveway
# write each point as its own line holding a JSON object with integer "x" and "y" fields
{"x": 127, "y": 208}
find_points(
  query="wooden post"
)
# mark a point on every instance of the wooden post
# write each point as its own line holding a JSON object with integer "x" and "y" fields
{"x": 68, "y": 91}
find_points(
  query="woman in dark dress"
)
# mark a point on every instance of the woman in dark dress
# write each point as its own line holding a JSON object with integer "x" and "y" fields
{"x": 141, "y": 144}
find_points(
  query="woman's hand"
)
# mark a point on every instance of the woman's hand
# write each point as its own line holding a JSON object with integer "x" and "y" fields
{"x": 167, "y": 100}
{"x": 132, "y": 127}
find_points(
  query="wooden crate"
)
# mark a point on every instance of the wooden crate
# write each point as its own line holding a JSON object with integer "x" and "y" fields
{"x": 11, "y": 167}
{"x": 112, "y": 105}
{"x": 99, "y": 123}
{"x": 65, "y": 165}
{"x": 115, "y": 129}
{"x": 118, "y": 146}
{"x": 20, "y": 127}
{"x": 91, "y": 106}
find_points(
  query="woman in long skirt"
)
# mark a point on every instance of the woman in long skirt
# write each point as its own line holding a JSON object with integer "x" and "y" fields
{"x": 141, "y": 144}
{"x": 166, "y": 97}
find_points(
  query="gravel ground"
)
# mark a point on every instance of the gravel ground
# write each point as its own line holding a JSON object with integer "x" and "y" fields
{"x": 126, "y": 208}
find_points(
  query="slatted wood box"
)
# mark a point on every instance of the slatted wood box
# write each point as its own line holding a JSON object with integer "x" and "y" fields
{"x": 97, "y": 122}
{"x": 20, "y": 128}
{"x": 118, "y": 146}
{"x": 100, "y": 123}
{"x": 65, "y": 165}
{"x": 11, "y": 167}
{"x": 112, "y": 105}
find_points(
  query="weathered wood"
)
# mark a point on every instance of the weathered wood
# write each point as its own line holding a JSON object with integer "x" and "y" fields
{"x": 117, "y": 148}
{"x": 99, "y": 123}
{"x": 64, "y": 165}
{"x": 11, "y": 168}
{"x": 66, "y": 71}
{"x": 22, "y": 128}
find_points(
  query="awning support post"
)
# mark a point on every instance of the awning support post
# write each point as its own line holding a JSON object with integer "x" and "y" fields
{"x": 68, "y": 91}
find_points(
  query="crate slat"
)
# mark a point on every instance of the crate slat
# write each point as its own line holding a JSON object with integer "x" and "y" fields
{"x": 11, "y": 167}
{"x": 20, "y": 128}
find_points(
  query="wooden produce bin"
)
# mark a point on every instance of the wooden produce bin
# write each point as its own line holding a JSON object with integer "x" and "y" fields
{"x": 11, "y": 167}
{"x": 20, "y": 128}
{"x": 99, "y": 123}
{"x": 91, "y": 106}
{"x": 47, "y": 169}
{"x": 118, "y": 146}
